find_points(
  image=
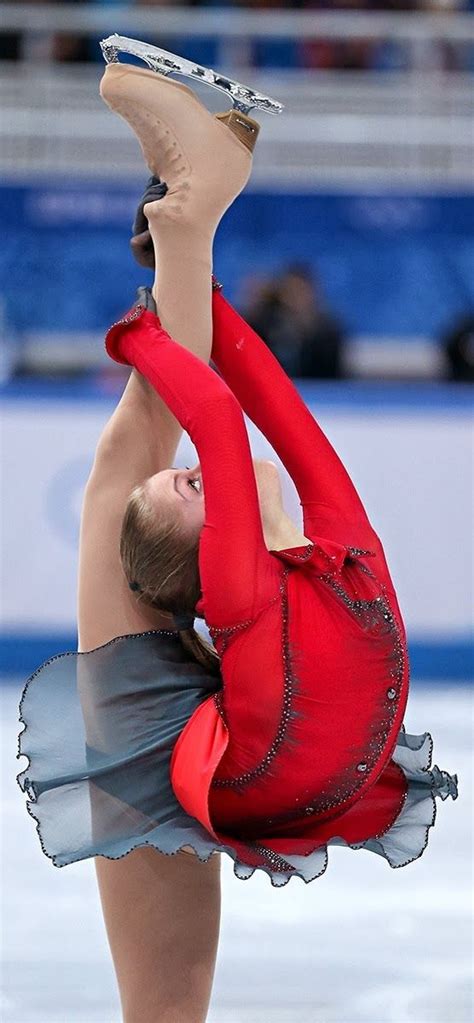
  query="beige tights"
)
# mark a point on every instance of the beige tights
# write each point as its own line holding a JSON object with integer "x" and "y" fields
{"x": 161, "y": 912}
{"x": 205, "y": 166}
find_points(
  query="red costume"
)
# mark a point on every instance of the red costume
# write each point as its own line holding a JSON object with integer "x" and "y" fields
{"x": 296, "y": 747}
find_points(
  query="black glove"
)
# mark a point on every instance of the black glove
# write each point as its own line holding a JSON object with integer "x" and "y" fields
{"x": 141, "y": 243}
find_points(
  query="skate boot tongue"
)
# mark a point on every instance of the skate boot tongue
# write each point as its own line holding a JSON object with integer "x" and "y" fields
{"x": 242, "y": 125}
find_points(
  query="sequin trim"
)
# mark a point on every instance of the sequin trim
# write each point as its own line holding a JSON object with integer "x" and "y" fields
{"x": 227, "y": 630}
{"x": 133, "y": 314}
{"x": 371, "y": 613}
{"x": 224, "y": 633}
{"x": 277, "y": 862}
{"x": 359, "y": 552}
{"x": 305, "y": 555}
{"x": 218, "y": 697}
{"x": 288, "y": 689}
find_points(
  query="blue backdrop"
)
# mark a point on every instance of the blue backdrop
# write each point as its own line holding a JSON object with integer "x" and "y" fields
{"x": 390, "y": 264}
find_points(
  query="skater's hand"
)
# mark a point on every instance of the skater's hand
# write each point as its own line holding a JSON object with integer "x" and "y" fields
{"x": 141, "y": 242}
{"x": 142, "y": 249}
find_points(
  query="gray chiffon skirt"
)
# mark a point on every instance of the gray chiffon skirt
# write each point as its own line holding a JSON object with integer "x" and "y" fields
{"x": 99, "y": 731}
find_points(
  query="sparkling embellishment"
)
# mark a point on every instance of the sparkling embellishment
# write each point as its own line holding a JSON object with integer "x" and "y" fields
{"x": 226, "y": 630}
{"x": 375, "y": 615}
{"x": 245, "y": 779}
{"x": 133, "y": 314}
{"x": 276, "y": 861}
{"x": 304, "y": 555}
{"x": 372, "y": 614}
{"x": 359, "y": 552}
{"x": 218, "y": 697}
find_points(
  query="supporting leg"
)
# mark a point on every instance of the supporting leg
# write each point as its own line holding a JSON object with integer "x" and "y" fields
{"x": 162, "y": 917}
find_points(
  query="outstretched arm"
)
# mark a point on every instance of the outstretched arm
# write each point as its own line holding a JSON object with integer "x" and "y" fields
{"x": 329, "y": 499}
{"x": 140, "y": 439}
{"x": 238, "y": 575}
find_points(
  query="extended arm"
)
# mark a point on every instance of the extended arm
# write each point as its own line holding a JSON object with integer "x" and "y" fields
{"x": 328, "y": 497}
{"x": 140, "y": 439}
{"x": 238, "y": 576}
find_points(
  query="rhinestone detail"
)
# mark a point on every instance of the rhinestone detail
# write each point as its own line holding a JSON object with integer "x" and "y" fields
{"x": 227, "y": 630}
{"x": 133, "y": 314}
{"x": 370, "y": 613}
{"x": 221, "y": 636}
{"x": 359, "y": 552}
{"x": 218, "y": 698}
{"x": 306, "y": 554}
{"x": 276, "y": 861}
{"x": 244, "y": 779}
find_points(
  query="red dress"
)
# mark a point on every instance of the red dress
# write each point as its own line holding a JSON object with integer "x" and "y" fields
{"x": 296, "y": 747}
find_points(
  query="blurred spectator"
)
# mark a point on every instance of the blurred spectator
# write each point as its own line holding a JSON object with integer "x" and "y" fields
{"x": 290, "y": 315}
{"x": 458, "y": 344}
{"x": 10, "y": 45}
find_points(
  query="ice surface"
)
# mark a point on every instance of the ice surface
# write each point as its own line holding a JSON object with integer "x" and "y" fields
{"x": 363, "y": 944}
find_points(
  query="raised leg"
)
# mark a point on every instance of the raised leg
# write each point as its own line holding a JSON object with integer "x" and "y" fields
{"x": 205, "y": 165}
{"x": 161, "y": 913}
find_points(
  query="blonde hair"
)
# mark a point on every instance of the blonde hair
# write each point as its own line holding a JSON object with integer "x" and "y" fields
{"x": 162, "y": 566}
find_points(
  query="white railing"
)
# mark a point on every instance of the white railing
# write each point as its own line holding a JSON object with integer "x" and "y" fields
{"x": 237, "y": 23}
{"x": 347, "y": 128}
{"x": 412, "y": 126}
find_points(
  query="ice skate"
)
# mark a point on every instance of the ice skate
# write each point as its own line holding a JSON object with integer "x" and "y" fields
{"x": 204, "y": 165}
{"x": 243, "y": 97}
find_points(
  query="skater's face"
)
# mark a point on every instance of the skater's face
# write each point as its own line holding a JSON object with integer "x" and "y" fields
{"x": 183, "y": 490}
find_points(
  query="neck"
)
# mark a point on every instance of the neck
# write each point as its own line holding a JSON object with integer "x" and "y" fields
{"x": 283, "y": 534}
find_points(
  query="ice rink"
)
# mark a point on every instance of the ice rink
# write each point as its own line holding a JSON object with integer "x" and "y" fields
{"x": 363, "y": 944}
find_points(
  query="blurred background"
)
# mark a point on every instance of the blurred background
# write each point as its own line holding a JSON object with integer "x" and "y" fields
{"x": 352, "y": 253}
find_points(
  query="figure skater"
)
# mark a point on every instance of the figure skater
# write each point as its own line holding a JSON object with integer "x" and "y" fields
{"x": 285, "y": 735}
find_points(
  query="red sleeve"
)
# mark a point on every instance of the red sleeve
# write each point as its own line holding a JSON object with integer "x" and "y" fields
{"x": 238, "y": 575}
{"x": 330, "y": 502}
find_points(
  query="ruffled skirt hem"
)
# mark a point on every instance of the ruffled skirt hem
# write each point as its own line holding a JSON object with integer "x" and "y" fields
{"x": 113, "y": 795}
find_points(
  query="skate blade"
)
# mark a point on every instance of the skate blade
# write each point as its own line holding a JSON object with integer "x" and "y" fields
{"x": 243, "y": 98}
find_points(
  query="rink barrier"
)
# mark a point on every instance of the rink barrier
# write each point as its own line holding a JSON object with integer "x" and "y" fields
{"x": 431, "y": 661}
